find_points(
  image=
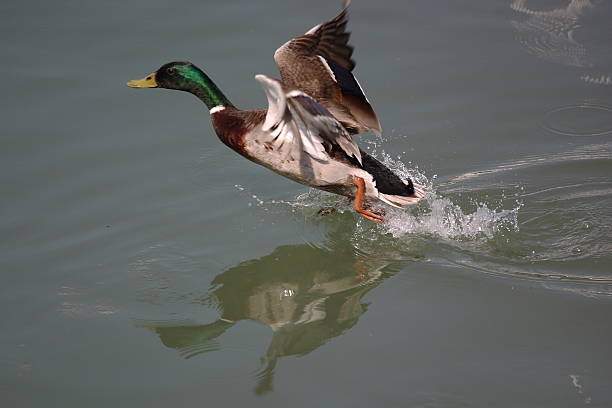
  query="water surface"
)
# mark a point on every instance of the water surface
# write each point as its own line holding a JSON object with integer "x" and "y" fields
{"x": 145, "y": 264}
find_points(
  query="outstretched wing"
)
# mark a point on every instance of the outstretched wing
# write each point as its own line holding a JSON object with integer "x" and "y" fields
{"x": 320, "y": 64}
{"x": 294, "y": 117}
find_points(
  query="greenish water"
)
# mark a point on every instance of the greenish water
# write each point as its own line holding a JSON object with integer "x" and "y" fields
{"x": 145, "y": 264}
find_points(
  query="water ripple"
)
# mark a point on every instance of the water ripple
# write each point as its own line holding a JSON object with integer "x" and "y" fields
{"x": 600, "y": 151}
{"x": 585, "y": 119}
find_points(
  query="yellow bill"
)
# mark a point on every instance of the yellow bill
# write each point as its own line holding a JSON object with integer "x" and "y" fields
{"x": 146, "y": 82}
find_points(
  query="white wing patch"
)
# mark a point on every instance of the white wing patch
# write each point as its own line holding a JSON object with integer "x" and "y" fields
{"x": 329, "y": 70}
{"x": 294, "y": 93}
{"x": 313, "y": 29}
{"x": 277, "y": 103}
{"x": 361, "y": 89}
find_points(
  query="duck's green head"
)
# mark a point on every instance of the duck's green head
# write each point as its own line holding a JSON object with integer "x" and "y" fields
{"x": 184, "y": 76}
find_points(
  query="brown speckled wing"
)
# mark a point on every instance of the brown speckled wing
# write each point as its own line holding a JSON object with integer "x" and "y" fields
{"x": 303, "y": 64}
{"x": 320, "y": 64}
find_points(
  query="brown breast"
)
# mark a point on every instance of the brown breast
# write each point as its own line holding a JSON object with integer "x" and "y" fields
{"x": 232, "y": 125}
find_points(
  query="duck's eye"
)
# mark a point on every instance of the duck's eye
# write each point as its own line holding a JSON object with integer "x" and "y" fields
{"x": 171, "y": 71}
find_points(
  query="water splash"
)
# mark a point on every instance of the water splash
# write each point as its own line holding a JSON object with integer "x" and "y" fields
{"x": 440, "y": 216}
{"x": 450, "y": 218}
{"x": 445, "y": 219}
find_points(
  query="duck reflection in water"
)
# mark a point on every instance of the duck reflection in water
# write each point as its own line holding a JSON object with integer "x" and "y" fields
{"x": 306, "y": 294}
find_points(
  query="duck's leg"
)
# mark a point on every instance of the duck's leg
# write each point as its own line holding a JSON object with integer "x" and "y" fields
{"x": 359, "y": 200}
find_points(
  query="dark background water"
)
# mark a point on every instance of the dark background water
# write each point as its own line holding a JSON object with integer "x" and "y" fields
{"x": 145, "y": 264}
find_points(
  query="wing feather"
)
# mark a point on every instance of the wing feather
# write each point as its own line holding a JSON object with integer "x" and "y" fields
{"x": 320, "y": 63}
{"x": 295, "y": 117}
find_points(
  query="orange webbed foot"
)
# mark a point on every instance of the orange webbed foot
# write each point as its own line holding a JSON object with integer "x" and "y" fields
{"x": 359, "y": 202}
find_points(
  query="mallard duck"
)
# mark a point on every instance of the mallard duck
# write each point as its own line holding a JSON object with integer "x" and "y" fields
{"x": 306, "y": 132}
